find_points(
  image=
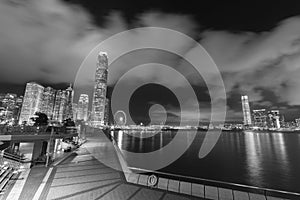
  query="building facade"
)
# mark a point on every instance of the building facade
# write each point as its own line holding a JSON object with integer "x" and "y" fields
{"x": 48, "y": 102}
{"x": 32, "y": 102}
{"x": 246, "y": 110}
{"x": 260, "y": 118}
{"x": 83, "y": 106}
{"x": 273, "y": 120}
{"x": 100, "y": 87}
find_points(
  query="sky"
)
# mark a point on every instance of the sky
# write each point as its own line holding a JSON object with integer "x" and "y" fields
{"x": 254, "y": 44}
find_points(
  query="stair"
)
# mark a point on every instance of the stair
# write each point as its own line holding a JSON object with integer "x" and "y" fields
{"x": 5, "y": 175}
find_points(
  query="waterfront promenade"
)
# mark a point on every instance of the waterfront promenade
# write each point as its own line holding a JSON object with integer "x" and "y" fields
{"x": 84, "y": 176}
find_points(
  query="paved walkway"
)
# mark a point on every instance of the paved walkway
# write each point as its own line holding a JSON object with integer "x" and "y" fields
{"x": 84, "y": 176}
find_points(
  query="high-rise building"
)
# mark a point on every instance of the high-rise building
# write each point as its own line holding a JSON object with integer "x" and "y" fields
{"x": 83, "y": 106}
{"x": 106, "y": 113}
{"x": 68, "y": 112}
{"x": 246, "y": 110}
{"x": 48, "y": 102}
{"x": 59, "y": 105}
{"x": 99, "y": 97}
{"x": 32, "y": 101}
{"x": 273, "y": 119}
{"x": 260, "y": 118}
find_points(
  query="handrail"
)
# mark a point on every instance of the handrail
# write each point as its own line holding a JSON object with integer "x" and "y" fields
{"x": 219, "y": 183}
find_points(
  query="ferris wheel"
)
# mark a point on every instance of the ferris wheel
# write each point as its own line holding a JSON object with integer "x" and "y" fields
{"x": 120, "y": 118}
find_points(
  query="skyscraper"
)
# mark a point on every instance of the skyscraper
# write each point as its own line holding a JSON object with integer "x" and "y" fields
{"x": 273, "y": 119}
{"x": 59, "y": 105}
{"x": 48, "y": 102}
{"x": 260, "y": 118}
{"x": 68, "y": 112}
{"x": 106, "y": 113}
{"x": 32, "y": 101}
{"x": 246, "y": 110}
{"x": 83, "y": 105}
{"x": 99, "y": 97}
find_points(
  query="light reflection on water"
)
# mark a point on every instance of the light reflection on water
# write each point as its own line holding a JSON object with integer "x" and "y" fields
{"x": 270, "y": 160}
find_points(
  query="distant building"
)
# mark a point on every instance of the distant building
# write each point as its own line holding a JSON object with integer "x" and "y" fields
{"x": 32, "y": 101}
{"x": 68, "y": 112}
{"x": 106, "y": 112}
{"x": 48, "y": 102}
{"x": 75, "y": 111}
{"x": 59, "y": 105}
{"x": 273, "y": 120}
{"x": 99, "y": 96}
{"x": 260, "y": 118}
{"x": 246, "y": 110}
{"x": 83, "y": 107}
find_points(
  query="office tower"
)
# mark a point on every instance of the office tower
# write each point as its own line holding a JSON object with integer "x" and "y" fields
{"x": 106, "y": 113}
{"x": 75, "y": 111}
{"x": 260, "y": 118}
{"x": 48, "y": 102}
{"x": 99, "y": 96}
{"x": 273, "y": 119}
{"x": 83, "y": 106}
{"x": 32, "y": 102}
{"x": 68, "y": 112}
{"x": 246, "y": 110}
{"x": 59, "y": 105}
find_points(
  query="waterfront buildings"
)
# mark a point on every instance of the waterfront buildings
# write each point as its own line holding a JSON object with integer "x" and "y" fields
{"x": 48, "y": 102}
{"x": 246, "y": 110}
{"x": 99, "y": 96}
{"x": 68, "y": 112}
{"x": 273, "y": 119}
{"x": 83, "y": 106}
{"x": 260, "y": 118}
{"x": 32, "y": 101}
{"x": 106, "y": 112}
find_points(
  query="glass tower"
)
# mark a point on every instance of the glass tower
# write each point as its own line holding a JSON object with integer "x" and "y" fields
{"x": 246, "y": 110}
{"x": 99, "y": 97}
{"x": 32, "y": 101}
{"x": 83, "y": 105}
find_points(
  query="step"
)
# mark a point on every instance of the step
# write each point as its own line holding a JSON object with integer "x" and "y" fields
{"x": 5, "y": 181}
{"x": 6, "y": 173}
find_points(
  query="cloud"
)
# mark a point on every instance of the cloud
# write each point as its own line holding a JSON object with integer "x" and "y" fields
{"x": 268, "y": 60}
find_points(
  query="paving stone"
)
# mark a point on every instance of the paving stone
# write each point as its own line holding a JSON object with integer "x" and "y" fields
{"x": 257, "y": 196}
{"x": 238, "y": 195}
{"x": 197, "y": 190}
{"x": 122, "y": 192}
{"x": 163, "y": 183}
{"x": 148, "y": 194}
{"x": 185, "y": 188}
{"x": 59, "y": 192}
{"x": 143, "y": 179}
{"x": 225, "y": 194}
{"x": 173, "y": 185}
{"x": 174, "y": 197}
{"x": 133, "y": 178}
{"x": 211, "y": 192}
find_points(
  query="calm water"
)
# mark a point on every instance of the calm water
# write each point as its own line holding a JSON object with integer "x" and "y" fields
{"x": 270, "y": 160}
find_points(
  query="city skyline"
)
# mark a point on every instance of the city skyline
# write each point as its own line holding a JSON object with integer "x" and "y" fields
{"x": 261, "y": 50}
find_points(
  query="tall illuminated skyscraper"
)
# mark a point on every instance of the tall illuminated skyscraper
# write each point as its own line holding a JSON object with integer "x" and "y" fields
{"x": 48, "y": 102}
{"x": 246, "y": 110}
{"x": 32, "y": 101}
{"x": 83, "y": 105}
{"x": 59, "y": 105}
{"x": 68, "y": 112}
{"x": 99, "y": 97}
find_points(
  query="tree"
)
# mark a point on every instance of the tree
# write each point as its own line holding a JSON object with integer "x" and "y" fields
{"x": 41, "y": 119}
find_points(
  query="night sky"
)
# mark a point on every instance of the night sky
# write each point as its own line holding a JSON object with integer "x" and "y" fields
{"x": 255, "y": 44}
